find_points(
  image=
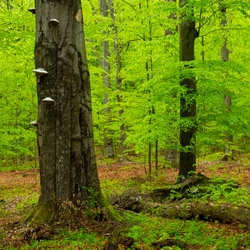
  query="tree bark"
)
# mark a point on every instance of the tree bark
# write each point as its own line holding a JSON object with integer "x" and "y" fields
{"x": 171, "y": 155}
{"x": 108, "y": 141}
{"x": 187, "y": 35}
{"x": 229, "y": 153}
{"x": 118, "y": 81}
{"x": 65, "y": 131}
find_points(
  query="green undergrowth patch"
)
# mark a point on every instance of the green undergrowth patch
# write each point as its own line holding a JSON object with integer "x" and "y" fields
{"x": 219, "y": 190}
{"x": 27, "y": 203}
{"x": 67, "y": 240}
{"x": 27, "y": 166}
{"x": 14, "y": 192}
{"x": 147, "y": 229}
{"x": 109, "y": 187}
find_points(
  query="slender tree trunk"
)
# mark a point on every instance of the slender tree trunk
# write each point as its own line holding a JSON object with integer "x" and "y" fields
{"x": 156, "y": 158}
{"x": 118, "y": 81}
{"x": 203, "y": 60}
{"x": 65, "y": 132}
{"x": 108, "y": 141}
{"x": 229, "y": 153}
{"x": 171, "y": 155}
{"x": 187, "y": 35}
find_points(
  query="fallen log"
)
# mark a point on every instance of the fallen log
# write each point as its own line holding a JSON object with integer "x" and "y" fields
{"x": 159, "y": 202}
{"x": 185, "y": 209}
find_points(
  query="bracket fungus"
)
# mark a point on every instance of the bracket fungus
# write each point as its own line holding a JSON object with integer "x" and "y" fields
{"x": 34, "y": 123}
{"x": 40, "y": 72}
{"x": 32, "y": 10}
{"x": 48, "y": 100}
{"x": 54, "y": 21}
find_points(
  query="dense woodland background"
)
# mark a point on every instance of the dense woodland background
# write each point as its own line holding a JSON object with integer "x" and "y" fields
{"x": 133, "y": 57}
{"x": 139, "y": 97}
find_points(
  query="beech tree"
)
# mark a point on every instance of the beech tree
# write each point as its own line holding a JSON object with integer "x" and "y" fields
{"x": 65, "y": 132}
{"x": 108, "y": 141}
{"x": 227, "y": 98}
{"x": 187, "y": 35}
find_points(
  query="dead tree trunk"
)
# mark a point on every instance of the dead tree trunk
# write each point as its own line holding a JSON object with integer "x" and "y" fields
{"x": 161, "y": 202}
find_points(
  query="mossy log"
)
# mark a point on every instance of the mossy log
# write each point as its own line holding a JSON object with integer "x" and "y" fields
{"x": 222, "y": 212}
{"x": 158, "y": 202}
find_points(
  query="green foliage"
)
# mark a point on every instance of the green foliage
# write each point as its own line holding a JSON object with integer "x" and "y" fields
{"x": 69, "y": 240}
{"x": 150, "y": 75}
{"x": 17, "y": 83}
{"x": 146, "y": 230}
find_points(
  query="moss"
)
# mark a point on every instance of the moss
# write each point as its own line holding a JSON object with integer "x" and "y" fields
{"x": 43, "y": 213}
{"x": 109, "y": 210}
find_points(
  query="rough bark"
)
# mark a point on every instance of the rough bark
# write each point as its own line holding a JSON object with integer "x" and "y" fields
{"x": 171, "y": 155}
{"x": 187, "y": 35}
{"x": 108, "y": 141}
{"x": 65, "y": 131}
{"x": 222, "y": 212}
{"x": 229, "y": 153}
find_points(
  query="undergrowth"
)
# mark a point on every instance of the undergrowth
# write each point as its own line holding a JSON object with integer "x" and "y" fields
{"x": 144, "y": 229}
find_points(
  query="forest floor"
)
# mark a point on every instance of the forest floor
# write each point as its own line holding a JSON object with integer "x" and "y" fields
{"x": 19, "y": 192}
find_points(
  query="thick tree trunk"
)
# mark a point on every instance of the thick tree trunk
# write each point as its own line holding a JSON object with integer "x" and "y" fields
{"x": 65, "y": 132}
{"x": 229, "y": 153}
{"x": 187, "y": 35}
{"x": 108, "y": 141}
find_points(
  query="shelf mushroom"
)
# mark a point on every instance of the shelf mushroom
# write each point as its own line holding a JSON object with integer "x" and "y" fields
{"x": 34, "y": 123}
{"x": 54, "y": 21}
{"x": 48, "y": 100}
{"x": 40, "y": 72}
{"x": 32, "y": 10}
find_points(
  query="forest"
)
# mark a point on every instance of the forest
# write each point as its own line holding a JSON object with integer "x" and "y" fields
{"x": 124, "y": 124}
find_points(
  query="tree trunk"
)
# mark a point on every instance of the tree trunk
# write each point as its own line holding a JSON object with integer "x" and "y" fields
{"x": 187, "y": 35}
{"x": 118, "y": 81}
{"x": 229, "y": 153}
{"x": 108, "y": 141}
{"x": 171, "y": 155}
{"x": 65, "y": 132}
